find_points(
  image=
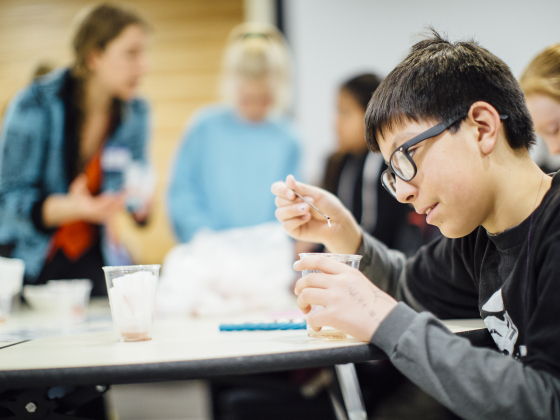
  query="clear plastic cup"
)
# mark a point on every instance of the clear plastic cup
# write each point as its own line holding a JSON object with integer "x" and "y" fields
{"x": 5, "y": 307}
{"x": 11, "y": 283}
{"x": 132, "y": 295}
{"x": 329, "y": 333}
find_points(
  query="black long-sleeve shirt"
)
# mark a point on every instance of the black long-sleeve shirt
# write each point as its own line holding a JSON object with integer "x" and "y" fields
{"x": 511, "y": 280}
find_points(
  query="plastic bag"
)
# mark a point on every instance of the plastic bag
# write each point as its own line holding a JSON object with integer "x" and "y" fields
{"x": 230, "y": 271}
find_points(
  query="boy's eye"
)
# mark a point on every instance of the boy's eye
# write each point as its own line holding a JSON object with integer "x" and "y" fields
{"x": 412, "y": 152}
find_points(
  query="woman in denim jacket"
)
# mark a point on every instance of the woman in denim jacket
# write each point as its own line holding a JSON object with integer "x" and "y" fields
{"x": 65, "y": 144}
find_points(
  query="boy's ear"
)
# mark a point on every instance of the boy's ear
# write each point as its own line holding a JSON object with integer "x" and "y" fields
{"x": 486, "y": 122}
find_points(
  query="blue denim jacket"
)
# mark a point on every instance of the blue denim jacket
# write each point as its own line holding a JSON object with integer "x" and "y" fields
{"x": 32, "y": 163}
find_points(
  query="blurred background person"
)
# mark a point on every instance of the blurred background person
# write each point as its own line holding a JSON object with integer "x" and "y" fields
{"x": 247, "y": 141}
{"x": 42, "y": 68}
{"x": 353, "y": 174}
{"x": 541, "y": 83}
{"x": 65, "y": 145}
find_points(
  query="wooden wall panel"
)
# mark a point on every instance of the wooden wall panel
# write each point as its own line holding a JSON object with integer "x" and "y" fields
{"x": 188, "y": 41}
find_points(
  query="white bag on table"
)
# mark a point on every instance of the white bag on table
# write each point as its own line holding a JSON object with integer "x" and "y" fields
{"x": 230, "y": 271}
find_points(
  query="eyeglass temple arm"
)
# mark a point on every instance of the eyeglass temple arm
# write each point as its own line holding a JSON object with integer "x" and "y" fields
{"x": 436, "y": 130}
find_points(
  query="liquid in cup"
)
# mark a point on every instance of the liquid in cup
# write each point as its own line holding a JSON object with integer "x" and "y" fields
{"x": 132, "y": 293}
{"x": 327, "y": 332}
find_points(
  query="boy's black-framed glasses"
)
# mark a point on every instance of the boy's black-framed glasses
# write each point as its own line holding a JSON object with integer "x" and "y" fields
{"x": 401, "y": 163}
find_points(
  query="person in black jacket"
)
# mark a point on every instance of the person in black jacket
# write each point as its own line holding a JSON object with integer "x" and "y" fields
{"x": 353, "y": 175}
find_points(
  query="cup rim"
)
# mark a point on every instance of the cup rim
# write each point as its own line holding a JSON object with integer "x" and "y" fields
{"x": 348, "y": 257}
{"x": 110, "y": 268}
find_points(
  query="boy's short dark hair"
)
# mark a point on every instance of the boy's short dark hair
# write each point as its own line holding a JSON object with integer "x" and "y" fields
{"x": 361, "y": 87}
{"x": 440, "y": 80}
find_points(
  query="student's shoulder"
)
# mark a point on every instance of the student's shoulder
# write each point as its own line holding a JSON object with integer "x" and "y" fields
{"x": 551, "y": 201}
{"x": 210, "y": 115}
{"x": 42, "y": 92}
{"x": 139, "y": 106}
{"x": 546, "y": 223}
{"x": 286, "y": 128}
{"x": 204, "y": 122}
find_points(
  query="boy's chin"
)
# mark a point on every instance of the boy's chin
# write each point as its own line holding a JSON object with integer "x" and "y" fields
{"x": 454, "y": 232}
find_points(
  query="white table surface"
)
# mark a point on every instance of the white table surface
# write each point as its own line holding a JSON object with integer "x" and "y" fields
{"x": 180, "y": 340}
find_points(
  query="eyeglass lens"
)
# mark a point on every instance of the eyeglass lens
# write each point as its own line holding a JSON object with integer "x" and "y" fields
{"x": 402, "y": 166}
{"x": 388, "y": 180}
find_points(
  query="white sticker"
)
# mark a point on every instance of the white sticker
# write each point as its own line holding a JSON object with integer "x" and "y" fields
{"x": 115, "y": 159}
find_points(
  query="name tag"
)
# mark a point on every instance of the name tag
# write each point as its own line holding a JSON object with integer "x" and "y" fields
{"x": 115, "y": 159}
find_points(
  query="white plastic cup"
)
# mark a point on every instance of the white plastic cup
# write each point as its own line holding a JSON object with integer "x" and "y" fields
{"x": 326, "y": 332}
{"x": 11, "y": 273}
{"x": 72, "y": 296}
{"x": 63, "y": 300}
{"x": 11, "y": 283}
{"x": 132, "y": 295}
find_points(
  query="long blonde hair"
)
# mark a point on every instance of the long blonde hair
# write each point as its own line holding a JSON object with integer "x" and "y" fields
{"x": 256, "y": 51}
{"x": 542, "y": 75}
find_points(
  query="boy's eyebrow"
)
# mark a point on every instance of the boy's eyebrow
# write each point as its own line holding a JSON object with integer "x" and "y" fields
{"x": 400, "y": 136}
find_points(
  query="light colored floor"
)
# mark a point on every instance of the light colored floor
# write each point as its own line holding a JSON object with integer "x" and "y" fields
{"x": 186, "y": 400}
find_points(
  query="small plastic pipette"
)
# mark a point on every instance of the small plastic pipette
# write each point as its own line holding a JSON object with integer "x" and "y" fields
{"x": 323, "y": 214}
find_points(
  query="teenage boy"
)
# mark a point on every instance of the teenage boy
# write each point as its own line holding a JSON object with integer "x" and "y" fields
{"x": 452, "y": 124}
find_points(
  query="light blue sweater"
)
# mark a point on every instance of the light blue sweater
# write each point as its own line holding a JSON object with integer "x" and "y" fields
{"x": 224, "y": 169}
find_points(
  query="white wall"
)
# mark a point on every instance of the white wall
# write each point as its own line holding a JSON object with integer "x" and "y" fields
{"x": 335, "y": 39}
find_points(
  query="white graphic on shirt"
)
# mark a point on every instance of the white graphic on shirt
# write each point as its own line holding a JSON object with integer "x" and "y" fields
{"x": 499, "y": 323}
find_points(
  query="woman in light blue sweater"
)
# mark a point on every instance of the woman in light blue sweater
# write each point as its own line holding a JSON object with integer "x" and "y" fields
{"x": 244, "y": 142}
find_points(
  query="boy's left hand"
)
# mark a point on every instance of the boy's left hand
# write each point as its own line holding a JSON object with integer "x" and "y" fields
{"x": 352, "y": 303}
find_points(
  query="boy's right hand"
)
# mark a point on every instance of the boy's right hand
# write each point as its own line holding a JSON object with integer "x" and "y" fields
{"x": 304, "y": 223}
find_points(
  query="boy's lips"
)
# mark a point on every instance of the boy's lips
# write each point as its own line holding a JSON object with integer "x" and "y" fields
{"x": 430, "y": 213}
{"x": 427, "y": 211}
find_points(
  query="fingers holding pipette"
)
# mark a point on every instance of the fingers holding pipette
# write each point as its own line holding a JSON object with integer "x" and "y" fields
{"x": 309, "y": 220}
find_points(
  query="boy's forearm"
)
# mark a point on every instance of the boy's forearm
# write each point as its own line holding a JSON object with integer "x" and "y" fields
{"x": 472, "y": 382}
{"x": 57, "y": 210}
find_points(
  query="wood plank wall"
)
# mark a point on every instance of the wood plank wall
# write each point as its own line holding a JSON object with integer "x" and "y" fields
{"x": 187, "y": 44}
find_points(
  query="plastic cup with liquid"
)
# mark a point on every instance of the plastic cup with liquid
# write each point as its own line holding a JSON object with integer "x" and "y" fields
{"x": 132, "y": 294}
{"x": 326, "y": 332}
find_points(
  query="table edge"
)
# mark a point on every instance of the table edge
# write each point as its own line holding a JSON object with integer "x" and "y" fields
{"x": 204, "y": 368}
{"x": 188, "y": 369}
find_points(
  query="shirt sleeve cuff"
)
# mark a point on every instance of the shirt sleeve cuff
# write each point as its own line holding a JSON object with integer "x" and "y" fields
{"x": 37, "y": 216}
{"x": 392, "y": 327}
{"x": 365, "y": 250}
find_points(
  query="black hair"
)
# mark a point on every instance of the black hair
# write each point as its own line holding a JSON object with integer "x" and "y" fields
{"x": 362, "y": 87}
{"x": 439, "y": 81}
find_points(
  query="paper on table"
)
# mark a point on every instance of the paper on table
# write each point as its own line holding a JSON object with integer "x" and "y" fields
{"x": 132, "y": 300}
{"x": 34, "y": 333}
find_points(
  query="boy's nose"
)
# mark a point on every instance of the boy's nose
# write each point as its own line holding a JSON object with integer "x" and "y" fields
{"x": 406, "y": 192}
